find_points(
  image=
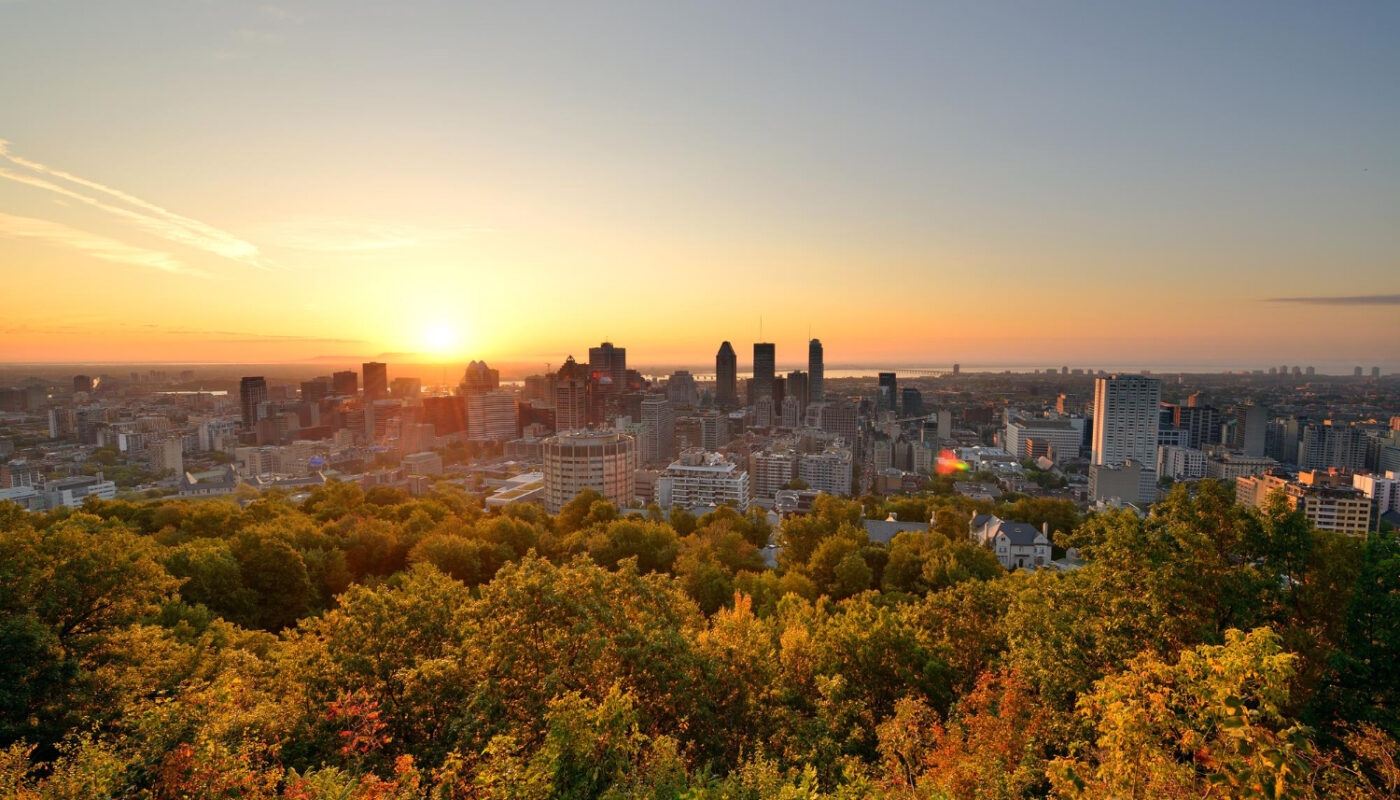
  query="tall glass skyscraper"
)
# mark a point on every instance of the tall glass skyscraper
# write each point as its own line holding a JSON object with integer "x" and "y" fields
{"x": 816, "y": 391}
{"x": 726, "y": 377}
{"x": 763, "y": 363}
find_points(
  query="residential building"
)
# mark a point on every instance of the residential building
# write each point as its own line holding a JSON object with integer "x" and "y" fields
{"x": 828, "y": 471}
{"x": 770, "y": 471}
{"x": 703, "y": 479}
{"x": 605, "y": 461}
{"x": 1126, "y": 409}
{"x": 1180, "y": 463}
{"x": 1017, "y": 545}
{"x": 1341, "y": 509}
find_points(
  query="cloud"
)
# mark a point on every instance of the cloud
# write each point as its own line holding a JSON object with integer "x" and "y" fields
{"x": 149, "y": 216}
{"x": 92, "y": 244}
{"x": 1355, "y": 300}
{"x": 331, "y": 235}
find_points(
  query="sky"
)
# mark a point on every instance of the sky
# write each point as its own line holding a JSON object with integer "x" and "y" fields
{"x": 914, "y": 183}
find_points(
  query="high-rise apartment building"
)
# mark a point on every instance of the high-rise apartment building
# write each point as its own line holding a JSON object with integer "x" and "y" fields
{"x": 376, "y": 381}
{"x": 605, "y": 461}
{"x": 726, "y": 377}
{"x": 251, "y": 392}
{"x": 1251, "y": 422}
{"x": 816, "y": 372}
{"x": 763, "y": 370}
{"x": 1126, "y": 418}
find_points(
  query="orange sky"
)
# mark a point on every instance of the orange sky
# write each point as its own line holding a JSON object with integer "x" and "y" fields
{"x": 515, "y": 183}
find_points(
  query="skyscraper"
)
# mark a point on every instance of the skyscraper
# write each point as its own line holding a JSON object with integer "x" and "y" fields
{"x": 607, "y": 368}
{"x": 376, "y": 380}
{"x": 251, "y": 392}
{"x": 480, "y": 379}
{"x": 888, "y": 397}
{"x": 799, "y": 387}
{"x": 345, "y": 382}
{"x": 658, "y": 429}
{"x": 571, "y": 397}
{"x": 1126, "y": 418}
{"x": 763, "y": 361}
{"x": 816, "y": 372}
{"x": 726, "y": 377}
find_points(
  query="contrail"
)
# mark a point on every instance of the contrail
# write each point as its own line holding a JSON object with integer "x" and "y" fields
{"x": 159, "y": 221}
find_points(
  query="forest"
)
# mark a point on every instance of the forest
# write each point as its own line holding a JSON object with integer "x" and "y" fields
{"x": 376, "y": 645}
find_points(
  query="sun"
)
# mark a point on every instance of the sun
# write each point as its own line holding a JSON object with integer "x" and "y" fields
{"x": 441, "y": 338}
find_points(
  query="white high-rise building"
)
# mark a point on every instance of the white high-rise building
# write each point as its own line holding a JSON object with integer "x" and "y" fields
{"x": 605, "y": 461}
{"x": 1126, "y": 417}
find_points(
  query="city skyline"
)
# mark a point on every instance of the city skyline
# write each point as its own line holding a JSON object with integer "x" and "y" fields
{"x": 998, "y": 184}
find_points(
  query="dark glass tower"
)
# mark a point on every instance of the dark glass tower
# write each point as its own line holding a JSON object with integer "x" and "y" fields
{"x": 726, "y": 377}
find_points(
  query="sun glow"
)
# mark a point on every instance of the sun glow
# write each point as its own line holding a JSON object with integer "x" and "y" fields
{"x": 441, "y": 338}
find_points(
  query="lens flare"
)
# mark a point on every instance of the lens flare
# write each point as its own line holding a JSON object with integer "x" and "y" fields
{"x": 949, "y": 463}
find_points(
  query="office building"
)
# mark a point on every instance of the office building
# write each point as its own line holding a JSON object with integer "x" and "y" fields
{"x": 1201, "y": 422}
{"x": 797, "y": 387}
{"x": 887, "y": 397}
{"x": 726, "y": 377}
{"x": 376, "y": 380}
{"x": 479, "y": 378}
{"x": 1126, "y": 409}
{"x": 607, "y": 368}
{"x": 315, "y": 390}
{"x": 680, "y": 389}
{"x": 252, "y": 392}
{"x": 658, "y": 430}
{"x": 1060, "y": 438}
{"x": 911, "y": 402}
{"x": 604, "y": 461}
{"x": 816, "y": 371}
{"x": 82, "y": 383}
{"x": 345, "y": 383}
{"x": 763, "y": 365}
{"x": 571, "y": 397}
{"x": 447, "y": 415}
{"x": 492, "y": 417}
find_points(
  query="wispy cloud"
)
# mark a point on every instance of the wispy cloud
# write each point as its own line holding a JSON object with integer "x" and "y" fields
{"x": 1354, "y": 300}
{"x": 148, "y": 216}
{"x": 333, "y": 235}
{"x": 92, "y": 244}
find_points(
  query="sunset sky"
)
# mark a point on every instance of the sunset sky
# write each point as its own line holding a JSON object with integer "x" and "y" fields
{"x": 916, "y": 183}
